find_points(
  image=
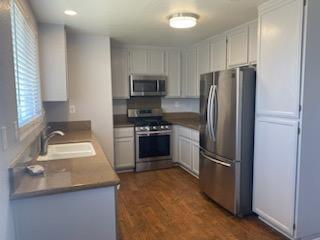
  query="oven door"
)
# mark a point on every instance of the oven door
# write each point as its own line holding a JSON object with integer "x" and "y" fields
{"x": 153, "y": 146}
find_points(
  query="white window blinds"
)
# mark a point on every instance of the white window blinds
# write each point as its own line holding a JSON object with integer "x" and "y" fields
{"x": 26, "y": 66}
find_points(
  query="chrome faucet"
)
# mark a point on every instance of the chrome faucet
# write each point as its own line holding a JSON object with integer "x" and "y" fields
{"x": 45, "y": 139}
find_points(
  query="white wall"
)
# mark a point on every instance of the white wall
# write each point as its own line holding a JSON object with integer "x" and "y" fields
{"x": 8, "y": 116}
{"x": 90, "y": 89}
{"x": 180, "y": 105}
{"x": 167, "y": 104}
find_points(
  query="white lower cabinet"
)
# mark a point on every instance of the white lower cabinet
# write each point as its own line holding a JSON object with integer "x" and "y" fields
{"x": 67, "y": 216}
{"x": 188, "y": 149}
{"x": 275, "y": 171}
{"x": 124, "y": 148}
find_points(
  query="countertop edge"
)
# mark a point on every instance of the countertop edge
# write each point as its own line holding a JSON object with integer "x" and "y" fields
{"x": 16, "y": 195}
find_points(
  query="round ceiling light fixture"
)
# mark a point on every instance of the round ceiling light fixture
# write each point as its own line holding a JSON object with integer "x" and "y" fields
{"x": 183, "y": 20}
{"x": 70, "y": 12}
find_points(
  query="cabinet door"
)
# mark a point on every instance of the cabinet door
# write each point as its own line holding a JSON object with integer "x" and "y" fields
{"x": 253, "y": 41}
{"x": 155, "y": 61}
{"x": 124, "y": 153}
{"x": 278, "y": 75}
{"x": 195, "y": 157}
{"x": 238, "y": 47}
{"x": 138, "y": 60}
{"x": 120, "y": 73}
{"x": 275, "y": 159}
{"x": 173, "y": 71}
{"x": 203, "y": 58}
{"x": 175, "y": 144}
{"x": 192, "y": 74}
{"x": 185, "y": 152}
{"x": 53, "y": 64}
{"x": 218, "y": 53}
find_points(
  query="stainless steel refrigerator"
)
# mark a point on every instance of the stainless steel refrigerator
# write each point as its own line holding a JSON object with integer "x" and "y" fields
{"x": 227, "y": 103}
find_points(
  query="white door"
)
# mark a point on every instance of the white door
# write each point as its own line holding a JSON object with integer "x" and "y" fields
{"x": 138, "y": 60}
{"x": 218, "y": 53}
{"x": 278, "y": 76}
{"x": 120, "y": 73}
{"x": 237, "y": 47}
{"x": 124, "y": 153}
{"x": 185, "y": 152}
{"x": 275, "y": 160}
{"x": 253, "y": 41}
{"x": 173, "y": 71}
{"x": 155, "y": 61}
{"x": 195, "y": 157}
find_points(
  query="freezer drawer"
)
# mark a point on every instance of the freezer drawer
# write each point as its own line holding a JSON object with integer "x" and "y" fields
{"x": 217, "y": 181}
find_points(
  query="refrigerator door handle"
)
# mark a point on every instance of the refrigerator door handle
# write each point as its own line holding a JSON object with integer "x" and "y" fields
{"x": 209, "y": 115}
{"x": 215, "y": 160}
{"x": 213, "y": 111}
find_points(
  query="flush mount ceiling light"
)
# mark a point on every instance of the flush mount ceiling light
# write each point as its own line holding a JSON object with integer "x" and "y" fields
{"x": 183, "y": 20}
{"x": 70, "y": 12}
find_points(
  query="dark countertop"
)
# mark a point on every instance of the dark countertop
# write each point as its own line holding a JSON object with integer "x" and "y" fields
{"x": 185, "y": 119}
{"x": 66, "y": 175}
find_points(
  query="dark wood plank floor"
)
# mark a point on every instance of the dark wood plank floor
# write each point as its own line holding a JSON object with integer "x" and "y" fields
{"x": 167, "y": 204}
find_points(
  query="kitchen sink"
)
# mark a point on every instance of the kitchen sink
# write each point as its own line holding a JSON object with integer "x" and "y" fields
{"x": 69, "y": 150}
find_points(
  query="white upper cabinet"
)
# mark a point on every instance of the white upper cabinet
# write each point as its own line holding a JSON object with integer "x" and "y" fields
{"x": 155, "y": 61}
{"x": 147, "y": 61}
{"x": 278, "y": 77}
{"x": 192, "y": 79}
{"x": 203, "y": 57}
{"x": 138, "y": 60}
{"x": 120, "y": 73}
{"x": 53, "y": 62}
{"x": 253, "y": 41}
{"x": 218, "y": 53}
{"x": 173, "y": 71}
{"x": 237, "y": 47}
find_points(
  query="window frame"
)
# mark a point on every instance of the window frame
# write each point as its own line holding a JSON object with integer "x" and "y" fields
{"x": 36, "y": 122}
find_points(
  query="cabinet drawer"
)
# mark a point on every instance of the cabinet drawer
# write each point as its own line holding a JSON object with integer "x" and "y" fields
{"x": 185, "y": 132}
{"x": 195, "y": 135}
{"x": 123, "y": 132}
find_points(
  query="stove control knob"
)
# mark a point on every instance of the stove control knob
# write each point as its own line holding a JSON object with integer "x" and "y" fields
{"x": 154, "y": 128}
{"x": 162, "y": 127}
{"x": 167, "y": 127}
{"x": 147, "y": 128}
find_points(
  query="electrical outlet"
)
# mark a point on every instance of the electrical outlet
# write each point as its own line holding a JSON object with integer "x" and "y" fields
{"x": 4, "y": 138}
{"x": 72, "y": 109}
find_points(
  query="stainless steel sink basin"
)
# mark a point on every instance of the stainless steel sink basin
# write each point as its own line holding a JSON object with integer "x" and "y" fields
{"x": 69, "y": 150}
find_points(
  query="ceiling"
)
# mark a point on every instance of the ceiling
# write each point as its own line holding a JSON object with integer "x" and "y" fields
{"x": 145, "y": 22}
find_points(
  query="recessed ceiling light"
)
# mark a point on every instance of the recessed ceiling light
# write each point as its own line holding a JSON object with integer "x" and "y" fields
{"x": 70, "y": 12}
{"x": 183, "y": 20}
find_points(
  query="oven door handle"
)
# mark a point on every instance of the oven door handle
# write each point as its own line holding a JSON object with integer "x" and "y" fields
{"x": 154, "y": 133}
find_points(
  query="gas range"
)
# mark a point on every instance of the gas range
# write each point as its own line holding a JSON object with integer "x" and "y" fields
{"x": 153, "y": 139}
{"x": 150, "y": 124}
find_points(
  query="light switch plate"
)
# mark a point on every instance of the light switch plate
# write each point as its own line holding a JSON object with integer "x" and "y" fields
{"x": 72, "y": 109}
{"x": 4, "y": 138}
{"x": 16, "y": 131}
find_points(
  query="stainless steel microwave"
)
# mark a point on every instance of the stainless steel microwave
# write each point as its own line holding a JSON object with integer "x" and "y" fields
{"x": 147, "y": 85}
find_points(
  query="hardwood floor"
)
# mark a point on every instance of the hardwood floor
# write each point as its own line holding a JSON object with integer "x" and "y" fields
{"x": 167, "y": 205}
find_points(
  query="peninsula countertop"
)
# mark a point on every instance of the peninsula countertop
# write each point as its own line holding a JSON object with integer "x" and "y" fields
{"x": 66, "y": 175}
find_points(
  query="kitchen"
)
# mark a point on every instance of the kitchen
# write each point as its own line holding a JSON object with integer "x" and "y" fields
{"x": 118, "y": 124}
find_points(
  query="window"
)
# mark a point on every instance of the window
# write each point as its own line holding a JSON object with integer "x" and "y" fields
{"x": 26, "y": 68}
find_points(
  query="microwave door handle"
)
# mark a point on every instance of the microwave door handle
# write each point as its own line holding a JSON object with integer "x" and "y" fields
{"x": 158, "y": 86}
